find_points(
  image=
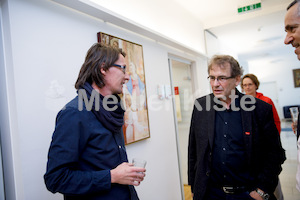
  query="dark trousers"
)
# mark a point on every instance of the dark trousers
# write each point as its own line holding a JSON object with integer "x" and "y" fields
{"x": 218, "y": 194}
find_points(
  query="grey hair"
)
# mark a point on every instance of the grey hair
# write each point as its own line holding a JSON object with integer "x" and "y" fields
{"x": 236, "y": 69}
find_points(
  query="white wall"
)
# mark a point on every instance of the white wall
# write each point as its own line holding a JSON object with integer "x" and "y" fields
{"x": 47, "y": 42}
{"x": 212, "y": 44}
{"x": 281, "y": 73}
{"x": 169, "y": 19}
{"x": 9, "y": 127}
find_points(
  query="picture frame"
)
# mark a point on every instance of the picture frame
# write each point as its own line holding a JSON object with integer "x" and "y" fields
{"x": 134, "y": 96}
{"x": 296, "y": 74}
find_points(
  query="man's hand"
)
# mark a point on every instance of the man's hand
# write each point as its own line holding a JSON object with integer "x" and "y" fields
{"x": 255, "y": 195}
{"x": 127, "y": 174}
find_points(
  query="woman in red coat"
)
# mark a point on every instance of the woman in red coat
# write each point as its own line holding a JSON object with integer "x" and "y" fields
{"x": 249, "y": 85}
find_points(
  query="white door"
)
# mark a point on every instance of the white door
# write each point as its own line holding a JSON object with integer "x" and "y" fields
{"x": 181, "y": 82}
{"x": 269, "y": 89}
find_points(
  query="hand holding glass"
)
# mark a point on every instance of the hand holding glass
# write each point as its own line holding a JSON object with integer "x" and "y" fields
{"x": 139, "y": 163}
{"x": 294, "y": 113}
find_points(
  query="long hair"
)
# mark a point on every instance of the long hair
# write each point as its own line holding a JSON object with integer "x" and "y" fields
{"x": 236, "y": 70}
{"x": 98, "y": 56}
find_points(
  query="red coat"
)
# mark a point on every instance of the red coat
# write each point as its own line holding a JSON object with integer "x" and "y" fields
{"x": 275, "y": 114}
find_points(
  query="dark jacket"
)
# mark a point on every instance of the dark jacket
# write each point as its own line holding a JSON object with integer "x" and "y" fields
{"x": 264, "y": 151}
{"x": 81, "y": 155}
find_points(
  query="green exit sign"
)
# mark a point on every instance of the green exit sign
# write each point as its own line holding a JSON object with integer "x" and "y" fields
{"x": 249, "y": 8}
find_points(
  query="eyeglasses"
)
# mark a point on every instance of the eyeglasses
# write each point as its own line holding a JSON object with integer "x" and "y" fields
{"x": 246, "y": 85}
{"x": 123, "y": 67}
{"x": 220, "y": 79}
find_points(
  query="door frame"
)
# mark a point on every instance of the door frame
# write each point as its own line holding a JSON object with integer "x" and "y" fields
{"x": 170, "y": 58}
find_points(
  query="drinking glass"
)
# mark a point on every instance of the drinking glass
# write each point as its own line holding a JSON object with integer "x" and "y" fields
{"x": 294, "y": 113}
{"x": 139, "y": 162}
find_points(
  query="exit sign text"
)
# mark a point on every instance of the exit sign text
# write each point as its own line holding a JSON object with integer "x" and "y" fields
{"x": 249, "y": 8}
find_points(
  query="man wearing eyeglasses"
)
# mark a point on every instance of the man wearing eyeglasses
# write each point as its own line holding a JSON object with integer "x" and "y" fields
{"x": 292, "y": 29}
{"x": 234, "y": 147}
{"x": 87, "y": 157}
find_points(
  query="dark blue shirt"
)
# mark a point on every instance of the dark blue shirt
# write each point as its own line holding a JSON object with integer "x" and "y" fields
{"x": 229, "y": 159}
{"x": 81, "y": 155}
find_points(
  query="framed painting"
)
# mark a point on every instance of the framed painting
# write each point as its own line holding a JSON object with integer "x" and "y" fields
{"x": 134, "y": 98}
{"x": 296, "y": 73}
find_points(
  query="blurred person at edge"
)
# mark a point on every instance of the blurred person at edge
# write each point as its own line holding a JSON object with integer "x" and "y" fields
{"x": 87, "y": 158}
{"x": 292, "y": 29}
{"x": 249, "y": 85}
{"x": 234, "y": 147}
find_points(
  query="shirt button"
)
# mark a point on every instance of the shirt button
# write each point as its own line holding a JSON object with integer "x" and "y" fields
{"x": 225, "y": 135}
{"x": 223, "y": 163}
{"x": 224, "y": 176}
{"x": 207, "y": 173}
{"x": 225, "y": 122}
{"x": 224, "y": 149}
{"x": 120, "y": 147}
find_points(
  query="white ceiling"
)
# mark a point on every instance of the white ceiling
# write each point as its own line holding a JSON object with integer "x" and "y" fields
{"x": 219, "y": 12}
{"x": 254, "y": 35}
